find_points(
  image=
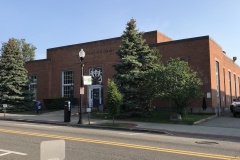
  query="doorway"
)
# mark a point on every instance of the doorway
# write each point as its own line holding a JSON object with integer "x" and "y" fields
{"x": 94, "y": 96}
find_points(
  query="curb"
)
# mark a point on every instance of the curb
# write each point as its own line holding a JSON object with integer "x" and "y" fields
{"x": 206, "y": 136}
{"x": 206, "y": 119}
{"x": 133, "y": 129}
{"x": 93, "y": 126}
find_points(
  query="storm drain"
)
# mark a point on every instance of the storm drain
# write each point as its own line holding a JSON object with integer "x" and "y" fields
{"x": 206, "y": 142}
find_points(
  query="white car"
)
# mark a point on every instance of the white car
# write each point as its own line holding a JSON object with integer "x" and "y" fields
{"x": 235, "y": 107}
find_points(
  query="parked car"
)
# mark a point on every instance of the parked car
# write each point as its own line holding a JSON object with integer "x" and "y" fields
{"x": 235, "y": 107}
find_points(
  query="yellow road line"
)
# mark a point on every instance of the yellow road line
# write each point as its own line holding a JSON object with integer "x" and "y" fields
{"x": 182, "y": 152}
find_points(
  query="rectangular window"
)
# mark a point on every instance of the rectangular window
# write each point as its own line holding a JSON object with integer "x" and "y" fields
{"x": 217, "y": 79}
{"x": 235, "y": 86}
{"x": 239, "y": 86}
{"x": 67, "y": 83}
{"x": 230, "y": 86}
{"x": 224, "y": 81}
{"x": 33, "y": 85}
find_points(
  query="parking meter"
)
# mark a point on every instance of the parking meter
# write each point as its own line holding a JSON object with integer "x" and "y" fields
{"x": 67, "y": 111}
{"x": 69, "y": 105}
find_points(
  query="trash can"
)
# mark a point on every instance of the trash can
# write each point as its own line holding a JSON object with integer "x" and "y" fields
{"x": 67, "y": 111}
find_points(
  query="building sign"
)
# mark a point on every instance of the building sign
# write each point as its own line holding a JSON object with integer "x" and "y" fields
{"x": 87, "y": 80}
{"x": 96, "y": 74}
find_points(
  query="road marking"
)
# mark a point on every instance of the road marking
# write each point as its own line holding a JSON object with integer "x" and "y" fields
{"x": 175, "y": 151}
{"x": 129, "y": 134}
{"x": 33, "y": 125}
{"x": 11, "y": 152}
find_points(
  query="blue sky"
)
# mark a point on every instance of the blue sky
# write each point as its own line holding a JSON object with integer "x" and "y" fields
{"x": 53, "y": 23}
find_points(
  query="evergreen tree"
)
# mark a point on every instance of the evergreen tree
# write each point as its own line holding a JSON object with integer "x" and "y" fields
{"x": 135, "y": 58}
{"x": 13, "y": 78}
{"x": 113, "y": 100}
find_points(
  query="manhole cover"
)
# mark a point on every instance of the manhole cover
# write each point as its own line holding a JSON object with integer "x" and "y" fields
{"x": 206, "y": 142}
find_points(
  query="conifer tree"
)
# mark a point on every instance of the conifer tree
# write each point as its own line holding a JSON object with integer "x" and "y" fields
{"x": 135, "y": 58}
{"x": 13, "y": 78}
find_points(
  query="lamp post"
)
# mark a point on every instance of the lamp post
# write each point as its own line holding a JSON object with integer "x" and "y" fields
{"x": 81, "y": 56}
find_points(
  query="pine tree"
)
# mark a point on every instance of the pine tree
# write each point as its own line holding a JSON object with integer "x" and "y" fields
{"x": 135, "y": 58}
{"x": 13, "y": 78}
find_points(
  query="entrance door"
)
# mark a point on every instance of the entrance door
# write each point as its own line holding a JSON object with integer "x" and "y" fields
{"x": 94, "y": 95}
{"x": 96, "y": 98}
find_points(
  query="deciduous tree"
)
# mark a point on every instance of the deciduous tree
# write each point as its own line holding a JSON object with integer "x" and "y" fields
{"x": 113, "y": 100}
{"x": 179, "y": 83}
{"x": 27, "y": 50}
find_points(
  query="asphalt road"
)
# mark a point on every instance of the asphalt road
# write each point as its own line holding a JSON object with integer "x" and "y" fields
{"x": 22, "y": 141}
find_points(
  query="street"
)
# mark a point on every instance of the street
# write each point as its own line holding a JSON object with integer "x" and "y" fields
{"x": 21, "y": 141}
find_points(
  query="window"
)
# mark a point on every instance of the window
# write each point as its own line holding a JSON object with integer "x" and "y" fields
{"x": 67, "y": 83}
{"x": 238, "y": 86}
{"x": 230, "y": 86}
{"x": 33, "y": 85}
{"x": 217, "y": 79}
{"x": 235, "y": 86}
{"x": 224, "y": 80}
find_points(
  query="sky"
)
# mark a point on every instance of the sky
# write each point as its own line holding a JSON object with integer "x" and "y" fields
{"x": 54, "y": 23}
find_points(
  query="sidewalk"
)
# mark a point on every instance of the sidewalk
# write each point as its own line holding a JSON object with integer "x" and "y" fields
{"x": 214, "y": 128}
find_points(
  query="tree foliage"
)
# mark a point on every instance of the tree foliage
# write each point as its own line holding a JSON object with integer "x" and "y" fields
{"x": 27, "y": 50}
{"x": 113, "y": 100}
{"x": 13, "y": 78}
{"x": 135, "y": 58}
{"x": 179, "y": 83}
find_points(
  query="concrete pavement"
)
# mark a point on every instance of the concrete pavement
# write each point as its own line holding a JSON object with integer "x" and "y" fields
{"x": 226, "y": 127}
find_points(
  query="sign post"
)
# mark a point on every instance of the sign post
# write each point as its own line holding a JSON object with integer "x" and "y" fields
{"x": 4, "y": 109}
{"x": 88, "y": 111}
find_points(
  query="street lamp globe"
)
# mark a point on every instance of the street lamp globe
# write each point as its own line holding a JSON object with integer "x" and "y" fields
{"x": 81, "y": 54}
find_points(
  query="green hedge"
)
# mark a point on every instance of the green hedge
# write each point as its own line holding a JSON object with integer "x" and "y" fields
{"x": 58, "y": 103}
{"x": 16, "y": 108}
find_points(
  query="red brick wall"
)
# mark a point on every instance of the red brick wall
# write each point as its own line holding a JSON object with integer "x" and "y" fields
{"x": 227, "y": 64}
{"x": 162, "y": 38}
{"x": 98, "y": 54}
{"x": 200, "y": 52}
{"x": 196, "y": 52}
{"x": 42, "y": 69}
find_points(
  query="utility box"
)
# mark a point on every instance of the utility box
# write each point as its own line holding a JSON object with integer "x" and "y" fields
{"x": 67, "y": 111}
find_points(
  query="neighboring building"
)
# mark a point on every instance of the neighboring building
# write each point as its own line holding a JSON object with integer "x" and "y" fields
{"x": 54, "y": 76}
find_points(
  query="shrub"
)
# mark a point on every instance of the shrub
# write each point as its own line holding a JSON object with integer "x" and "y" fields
{"x": 58, "y": 103}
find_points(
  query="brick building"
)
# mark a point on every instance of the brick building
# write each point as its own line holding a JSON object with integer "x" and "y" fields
{"x": 54, "y": 76}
